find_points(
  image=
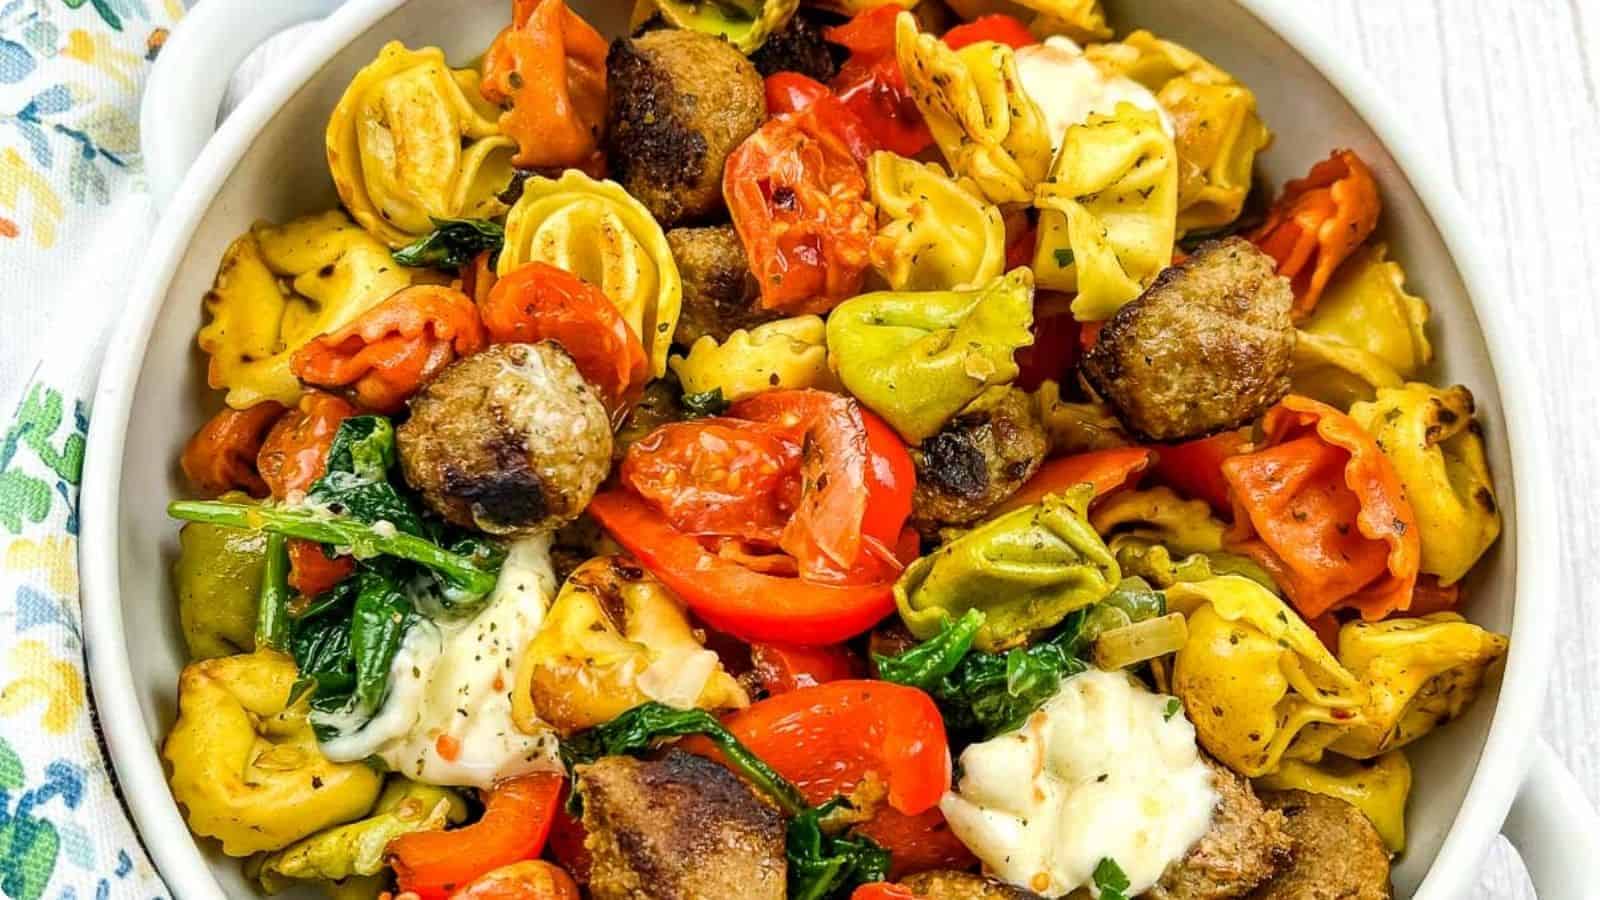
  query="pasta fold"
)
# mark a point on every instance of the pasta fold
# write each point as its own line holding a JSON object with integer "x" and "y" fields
{"x": 783, "y": 355}
{"x": 1366, "y": 333}
{"x": 598, "y": 232}
{"x": 412, "y": 141}
{"x": 1378, "y": 787}
{"x": 1108, "y": 211}
{"x": 935, "y": 233}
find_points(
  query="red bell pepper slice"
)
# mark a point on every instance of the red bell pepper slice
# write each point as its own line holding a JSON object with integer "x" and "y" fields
{"x": 730, "y": 597}
{"x": 787, "y": 667}
{"x": 1194, "y": 468}
{"x": 516, "y": 820}
{"x": 883, "y": 890}
{"x": 1054, "y": 350}
{"x": 1108, "y": 470}
{"x": 997, "y": 27}
{"x": 871, "y": 85}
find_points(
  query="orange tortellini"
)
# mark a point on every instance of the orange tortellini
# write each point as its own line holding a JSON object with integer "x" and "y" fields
{"x": 1429, "y": 436}
{"x": 785, "y": 354}
{"x": 1218, "y": 131}
{"x": 1255, "y": 679}
{"x": 280, "y": 286}
{"x": 986, "y": 126}
{"x": 1378, "y": 787}
{"x": 599, "y": 232}
{"x": 412, "y": 141}
{"x": 936, "y": 233}
{"x": 1416, "y": 674}
{"x": 1108, "y": 211}
{"x": 1365, "y": 334}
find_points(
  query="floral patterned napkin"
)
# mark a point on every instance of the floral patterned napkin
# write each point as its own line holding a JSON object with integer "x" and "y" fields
{"x": 74, "y": 213}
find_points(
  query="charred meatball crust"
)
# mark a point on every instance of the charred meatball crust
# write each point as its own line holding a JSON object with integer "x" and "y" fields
{"x": 1246, "y": 845}
{"x": 1206, "y": 348}
{"x": 977, "y": 460}
{"x": 720, "y": 295}
{"x": 1338, "y": 855}
{"x": 510, "y": 441}
{"x": 800, "y": 47}
{"x": 679, "y": 828}
{"x": 681, "y": 101}
{"x": 951, "y": 885}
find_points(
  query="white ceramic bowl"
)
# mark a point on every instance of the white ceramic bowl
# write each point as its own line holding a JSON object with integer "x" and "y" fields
{"x": 266, "y": 161}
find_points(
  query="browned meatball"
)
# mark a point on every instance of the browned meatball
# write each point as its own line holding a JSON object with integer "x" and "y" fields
{"x": 1246, "y": 844}
{"x": 799, "y": 47}
{"x": 1205, "y": 348}
{"x": 681, "y": 101}
{"x": 949, "y": 885}
{"x": 720, "y": 295}
{"x": 977, "y": 459}
{"x": 1337, "y": 853}
{"x": 511, "y": 440}
{"x": 679, "y": 828}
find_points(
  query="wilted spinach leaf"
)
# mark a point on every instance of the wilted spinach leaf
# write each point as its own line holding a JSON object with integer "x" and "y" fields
{"x": 452, "y": 244}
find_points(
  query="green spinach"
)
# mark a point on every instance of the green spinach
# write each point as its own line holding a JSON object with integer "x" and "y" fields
{"x": 452, "y": 244}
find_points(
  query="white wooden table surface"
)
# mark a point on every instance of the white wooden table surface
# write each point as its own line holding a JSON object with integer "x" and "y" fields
{"x": 1507, "y": 94}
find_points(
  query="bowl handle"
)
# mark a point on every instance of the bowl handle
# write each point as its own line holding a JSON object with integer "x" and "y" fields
{"x": 1554, "y": 829}
{"x": 184, "y": 93}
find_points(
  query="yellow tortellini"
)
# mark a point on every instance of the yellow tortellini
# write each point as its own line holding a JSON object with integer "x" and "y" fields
{"x": 1378, "y": 787}
{"x": 935, "y": 233}
{"x": 1430, "y": 436}
{"x": 352, "y": 851}
{"x": 1417, "y": 674}
{"x": 986, "y": 126}
{"x": 599, "y": 232}
{"x": 1077, "y": 427}
{"x": 1366, "y": 333}
{"x": 785, "y": 354}
{"x": 246, "y": 767}
{"x": 412, "y": 140}
{"x": 1218, "y": 132}
{"x": 918, "y": 358}
{"x": 280, "y": 286}
{"x": 615, "y": 638}
{"x": 1108, "y": 211}
{"x": 1158, "y": 514}
{"x": 1253, "y": 676}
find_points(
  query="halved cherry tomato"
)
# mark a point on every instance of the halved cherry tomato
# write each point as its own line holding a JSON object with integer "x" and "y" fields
{"x": 718, "y": 476}
{"x": 747, "y": 604}
{"x": 1107, "y": 470}
{"x": 796, "y": 191}
{"x": 221, "y": 456}
{"x": 537, "y": 301}
{"x": 516, "y": 820}
{"x": 787, "y": 667}
{"x": 1194, "y": 468}
{"x": 891, "y": 482}
{"x": 292, "y": 458}
{"x": 791, "y": 92}
{"x": 1054, "y": 350}
{"x": 478, "y": 278}
{"x": 872, "y": 86}
{"x": 828, "y": 738}
{"x": 997, "y": 27}
{"x": 531, "y": 879}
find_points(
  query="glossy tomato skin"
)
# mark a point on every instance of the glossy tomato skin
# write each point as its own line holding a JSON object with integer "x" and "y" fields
{"x": 516, "y": 820}
{"x": 528, "y": 880}
{"x": 786, "y": 667}
{"x": 791, "y": 92}
{"x": 719, "y": 476}
{"x": 871, "y": 85}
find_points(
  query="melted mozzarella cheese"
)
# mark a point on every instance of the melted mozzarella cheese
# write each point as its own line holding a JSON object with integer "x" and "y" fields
{"x": 453, "y": 680}
{"x": 1100, "y": 771}
{"x": 1069, "y": 88}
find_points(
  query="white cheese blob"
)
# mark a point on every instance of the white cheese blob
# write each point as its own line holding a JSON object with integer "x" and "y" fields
{"x": 1069, "y": 88}
{"x": 1099, "y": 771}
{"x": 453, "y": 679}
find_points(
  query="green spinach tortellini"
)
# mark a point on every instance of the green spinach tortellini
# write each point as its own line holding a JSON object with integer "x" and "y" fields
{"x": 1416, "y": 673}
{"x": 1366, "y": 333}
{"x": 1429, "y": 435}
{"x": 1077, "y": 427}
{"x": 785, "y": 354}
{"x": 935, "y": 233}
{"x": 916, "y": 359}
{"x": 412, "y": 141}
{"x": 1161, "y": 537}
{"x": 1216, "y": 128}
{"x": 986, "y": 126}
{"x": 599, "y": 232}
{"x": 218, "y": 576}
{"x": 1254, "y": 678}
{"x": 357, "y": 849}
{"x": 1108, "y": 212}
{"x": 746, "y": 24}
{"x": 1026, "y": 570}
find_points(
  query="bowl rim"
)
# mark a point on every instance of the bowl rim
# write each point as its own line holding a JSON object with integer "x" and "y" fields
{"x": 1507, "y": 750}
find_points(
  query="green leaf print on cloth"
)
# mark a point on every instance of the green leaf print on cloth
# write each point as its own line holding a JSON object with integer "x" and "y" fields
{"x": 25, "y": 498}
